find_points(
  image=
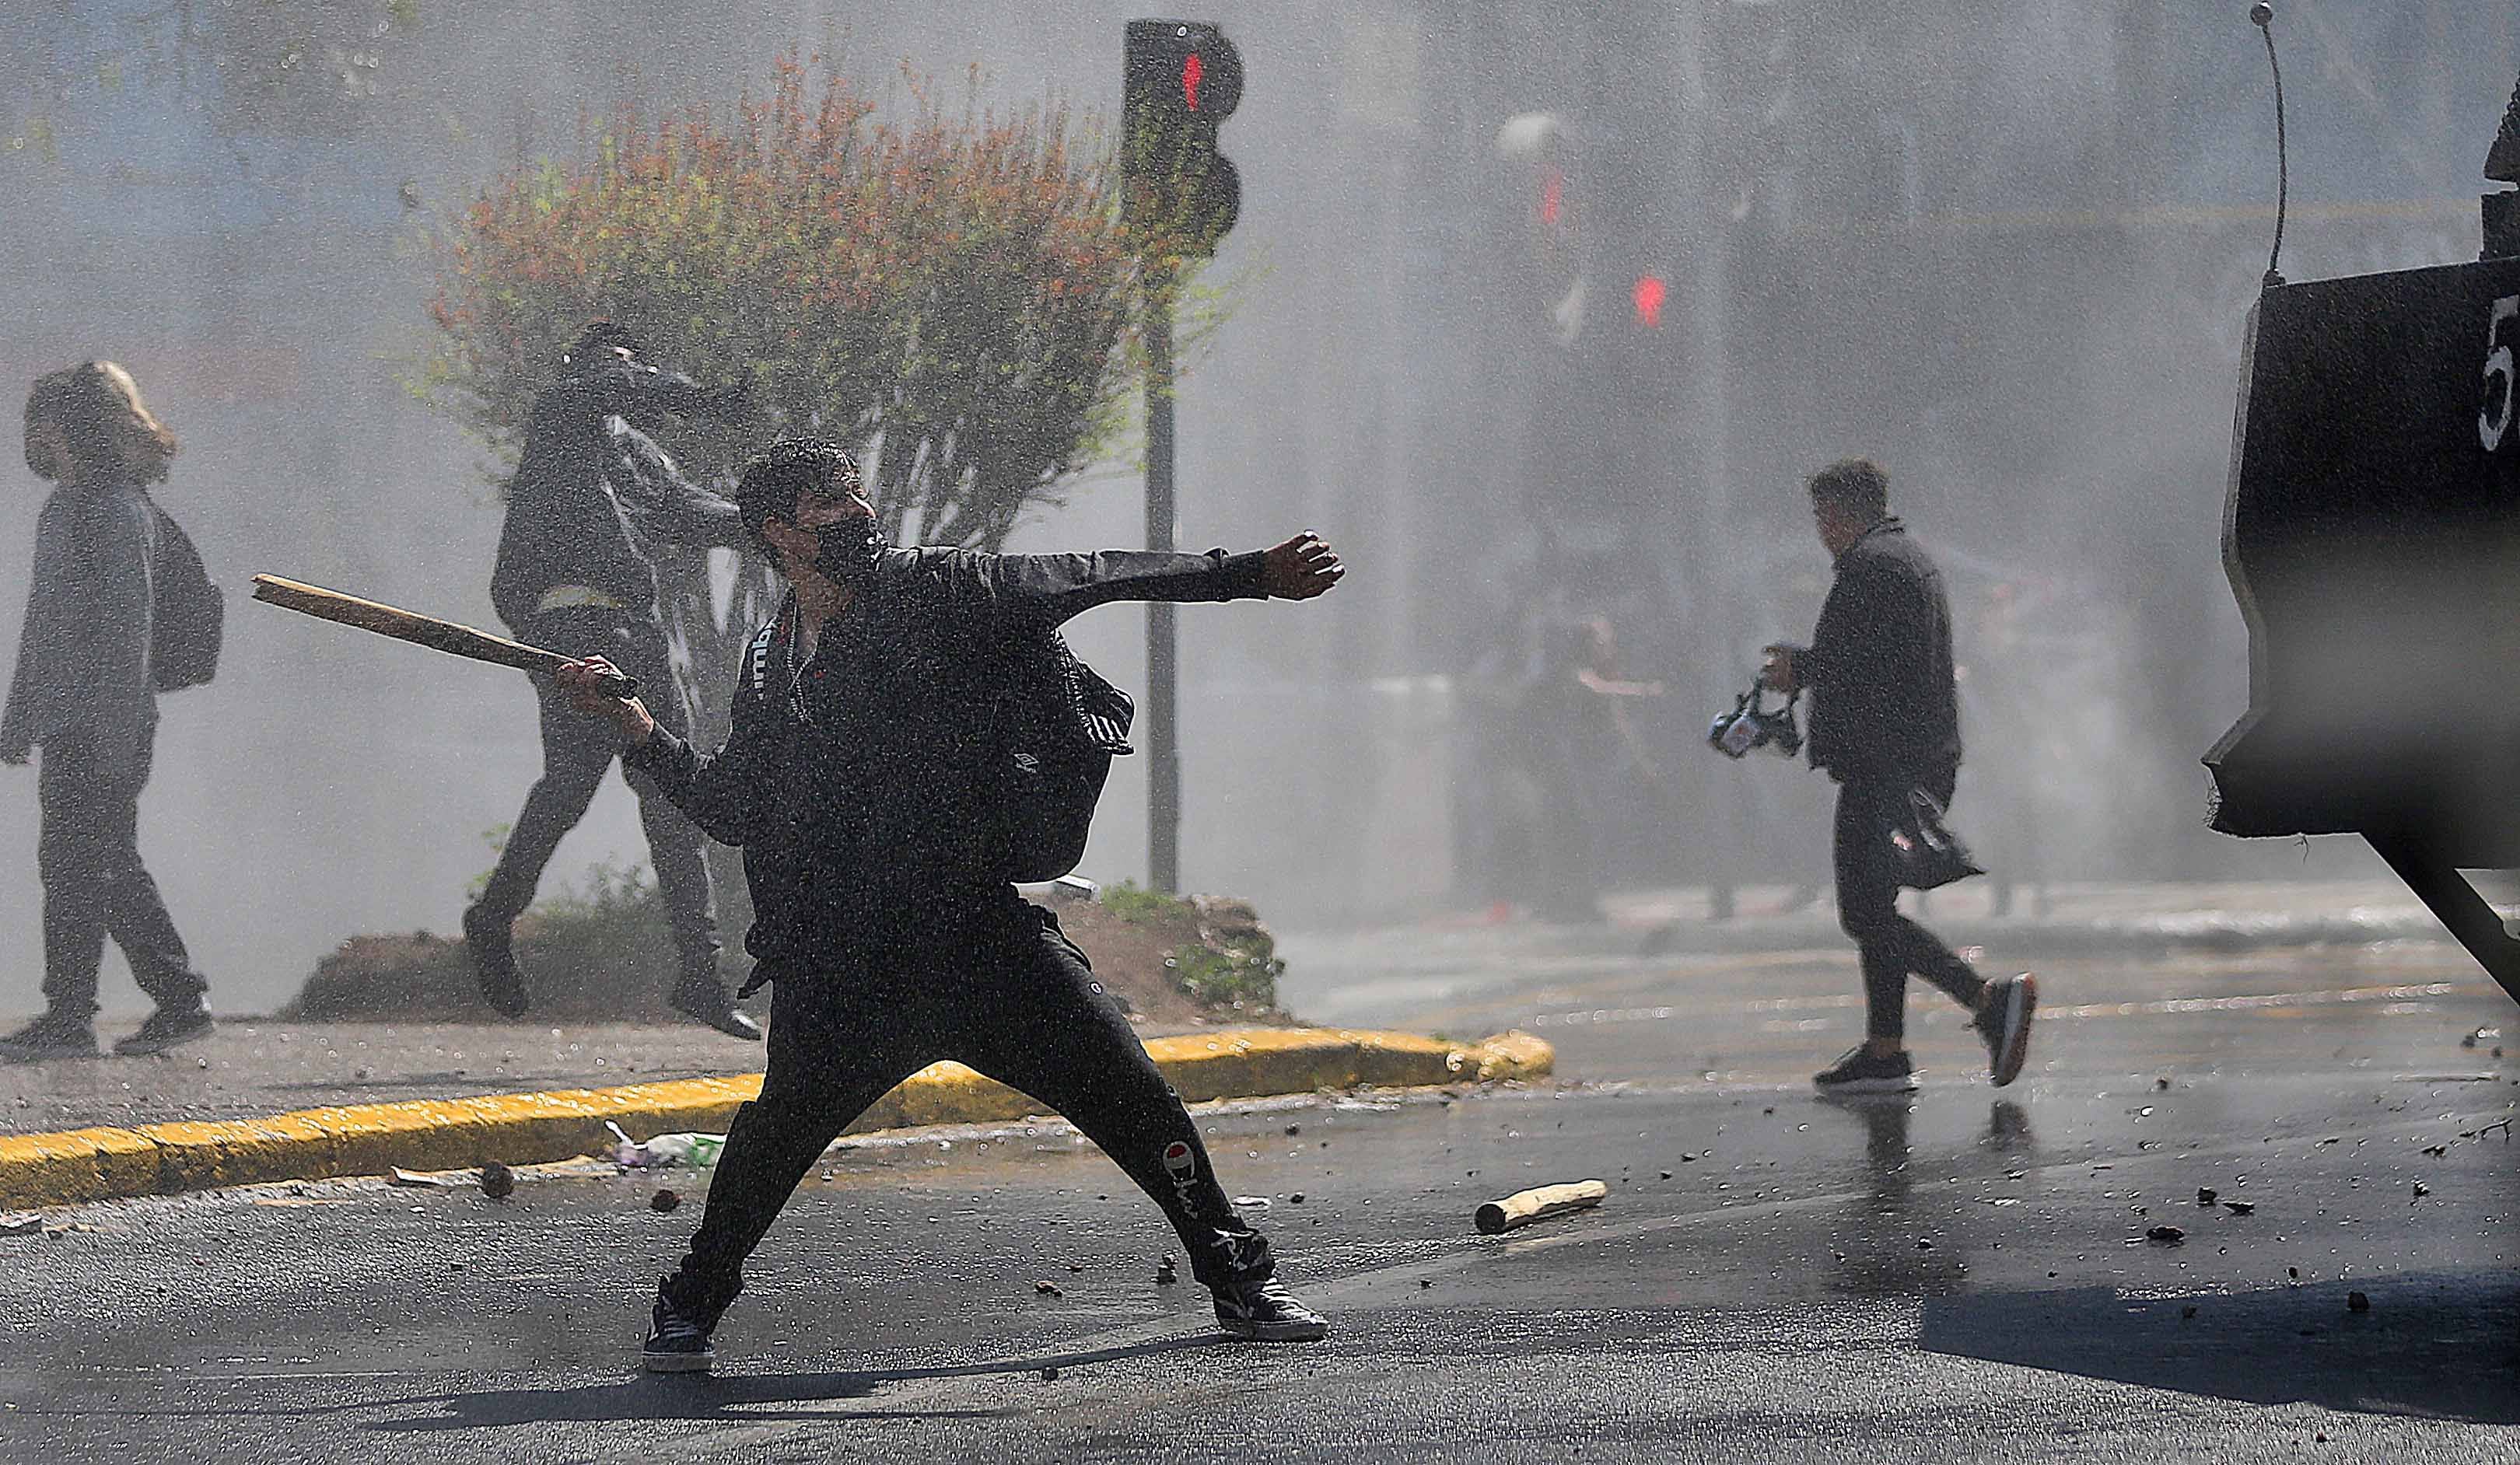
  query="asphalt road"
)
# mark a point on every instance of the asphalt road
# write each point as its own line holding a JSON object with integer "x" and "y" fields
{"x": 1963, "y": 1276}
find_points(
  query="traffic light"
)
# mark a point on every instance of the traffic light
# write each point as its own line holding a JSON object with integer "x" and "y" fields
{"x": 1182, "y": 78}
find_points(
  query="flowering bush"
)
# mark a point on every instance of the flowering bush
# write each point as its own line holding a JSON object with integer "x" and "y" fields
{"x": 955, "y": 292}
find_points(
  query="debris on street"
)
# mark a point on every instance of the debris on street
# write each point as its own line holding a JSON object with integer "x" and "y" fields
{"x": 665, "y": 1201}
{"x": 699, "y": 1151}
{"x": 1524, "y": 1207}
{"x": 498, "y": 1182}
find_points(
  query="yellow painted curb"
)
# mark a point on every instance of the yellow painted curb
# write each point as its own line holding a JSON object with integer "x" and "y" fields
{"x": 526, "y": 1129}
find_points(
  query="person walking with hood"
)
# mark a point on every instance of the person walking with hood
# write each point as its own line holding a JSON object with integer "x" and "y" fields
{"x": 593, "y": 500}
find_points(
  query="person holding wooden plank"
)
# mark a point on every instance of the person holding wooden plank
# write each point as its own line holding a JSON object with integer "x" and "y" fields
{"x": 867, "y": 782}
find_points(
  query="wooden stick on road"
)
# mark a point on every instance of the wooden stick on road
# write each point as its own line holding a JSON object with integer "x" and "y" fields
{"x": 1524, "y": 1207}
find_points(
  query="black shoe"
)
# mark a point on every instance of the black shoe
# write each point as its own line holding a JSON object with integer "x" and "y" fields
{"x": 677, "y": 1342}
{"x": 1265, "y": 1312}
{"x": 1859, "y": 1072}
{"x": 491, "y": 941}
{"x": 164, "y": 1030}
{"x": 50, "y": 1036}
{"x": 703, "y": 1000}
{"x": 2006, "y": 1025}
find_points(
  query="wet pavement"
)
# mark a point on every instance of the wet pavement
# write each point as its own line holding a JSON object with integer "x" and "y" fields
{"x": 1958, "y": 1277}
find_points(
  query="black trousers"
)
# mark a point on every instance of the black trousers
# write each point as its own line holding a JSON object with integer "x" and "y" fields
{"x": 88, "y": 853}
{"x": 577, "y": 751}
{"x": 1004, "y": 992}
{"x": 1891, "y": 947}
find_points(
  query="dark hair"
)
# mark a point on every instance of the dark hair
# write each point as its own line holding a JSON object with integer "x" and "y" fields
{"x": 775, "y": 477}
{"x": 97, "y": 406}
{"x": 1855, "y": 481}
{"x": 600, "y": 336}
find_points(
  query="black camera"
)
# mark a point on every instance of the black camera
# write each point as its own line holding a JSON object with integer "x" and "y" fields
{"x": 1751, "y": 724}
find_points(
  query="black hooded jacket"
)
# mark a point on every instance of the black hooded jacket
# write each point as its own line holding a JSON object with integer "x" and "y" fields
{"x": 862, "y": 786}
{"x": 1885, "y": 703}
{"x": 593, "y": 495}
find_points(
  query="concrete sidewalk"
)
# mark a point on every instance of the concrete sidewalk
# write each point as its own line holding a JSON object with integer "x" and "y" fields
{"x": 1437, "y": 969}
{"x": 252, "y": 1066}
{"x": 2065, "y": 920}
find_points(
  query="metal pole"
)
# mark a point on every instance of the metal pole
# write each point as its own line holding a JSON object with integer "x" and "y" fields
{"x": 1163, "y": 772}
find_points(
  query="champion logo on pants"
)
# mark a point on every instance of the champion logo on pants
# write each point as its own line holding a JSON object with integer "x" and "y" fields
{"x": 1180, "y": 1163}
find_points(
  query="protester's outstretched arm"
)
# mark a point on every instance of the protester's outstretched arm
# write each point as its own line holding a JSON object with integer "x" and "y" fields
{"x": 684, "y": 514}
{"x": 644, "y": 395}
{"x": 1052, "y": 588}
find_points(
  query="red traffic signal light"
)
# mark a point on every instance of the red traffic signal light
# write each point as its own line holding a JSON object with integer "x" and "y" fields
{"x": 1181, "y": 79}
{"x": 1648, "y": 297}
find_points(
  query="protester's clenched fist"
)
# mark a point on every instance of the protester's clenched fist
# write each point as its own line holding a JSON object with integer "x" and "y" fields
{"x": 584, "y": 680}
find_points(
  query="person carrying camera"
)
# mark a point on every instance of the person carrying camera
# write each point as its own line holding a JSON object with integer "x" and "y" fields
{"x": 592, "y": 498}
{"x": 1885, "y": 725}
{"x": 863, "y": 780}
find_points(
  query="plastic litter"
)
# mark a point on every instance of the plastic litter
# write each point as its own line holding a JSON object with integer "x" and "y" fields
{"x": 697, "y": 1151}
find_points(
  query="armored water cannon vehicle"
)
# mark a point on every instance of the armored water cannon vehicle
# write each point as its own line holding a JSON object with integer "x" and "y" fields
{"x": 2372, "y": 538}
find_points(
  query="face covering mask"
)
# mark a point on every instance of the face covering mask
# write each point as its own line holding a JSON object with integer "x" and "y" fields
{"x": 845, "y": 547}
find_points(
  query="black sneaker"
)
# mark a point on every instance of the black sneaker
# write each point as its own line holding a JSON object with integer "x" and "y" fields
{"x": 2006, "y": 1025}
{"x": 491, "y": 941}
{"x": 1265, "y": 1312}
{"x": 676, "y": 1342}
{"x": 704, "y": 1000}
{"x": 50, "y": 1036}
{"x": 164, "y": 1030}
{"x": 1859, "y": 1072}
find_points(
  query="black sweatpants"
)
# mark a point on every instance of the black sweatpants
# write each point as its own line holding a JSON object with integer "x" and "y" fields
{"x": 578, "y": 749}
{"x": 88, "y": 853}
{"x": 1004, "y": 992}
{"x": 1891, "y": 947}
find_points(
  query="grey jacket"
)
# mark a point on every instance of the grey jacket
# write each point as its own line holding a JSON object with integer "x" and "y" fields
{"x": 83, "y": 657}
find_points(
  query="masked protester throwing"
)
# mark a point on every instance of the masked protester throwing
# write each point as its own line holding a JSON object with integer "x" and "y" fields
{"x": 863, "y": 778}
